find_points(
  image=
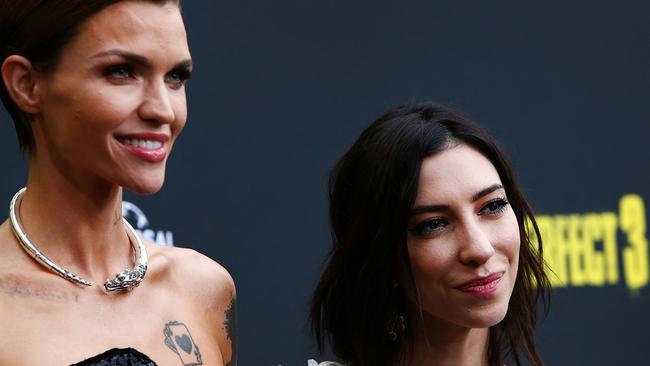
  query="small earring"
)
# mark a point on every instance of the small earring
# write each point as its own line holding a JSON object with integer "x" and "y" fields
{"x": 398, "y": 325}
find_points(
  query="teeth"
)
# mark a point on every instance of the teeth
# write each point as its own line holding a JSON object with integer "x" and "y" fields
{"x": 143, "y": 144}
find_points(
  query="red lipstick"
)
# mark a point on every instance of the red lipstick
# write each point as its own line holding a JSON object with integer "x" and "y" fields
{"x": 146, "y": 146}
{"x": 483, "y": 287}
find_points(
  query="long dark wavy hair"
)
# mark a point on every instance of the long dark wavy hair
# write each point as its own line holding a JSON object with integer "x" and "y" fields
{"x": 372, "y": 190}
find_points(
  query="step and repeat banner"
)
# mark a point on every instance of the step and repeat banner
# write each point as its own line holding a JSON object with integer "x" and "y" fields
{"x": 281, "y": 89}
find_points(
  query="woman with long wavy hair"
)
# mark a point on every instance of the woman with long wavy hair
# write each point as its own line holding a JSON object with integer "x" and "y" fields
{"x": 432, "y": 262}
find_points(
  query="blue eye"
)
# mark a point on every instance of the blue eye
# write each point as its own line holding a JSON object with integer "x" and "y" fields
{"x": 178, "y": 77}
{"x": 175, "y": 78}
{"x": 119, "y": 72}
{"x": 429, "y": 226}
{"x": 494, "y": 207}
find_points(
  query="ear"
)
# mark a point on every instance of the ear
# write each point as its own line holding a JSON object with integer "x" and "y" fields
{"x": 19, "y": 77}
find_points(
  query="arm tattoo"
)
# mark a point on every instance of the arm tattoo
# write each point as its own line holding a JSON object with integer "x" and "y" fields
{"x": 230, "y": 325}
{"x": 179, "y": 340}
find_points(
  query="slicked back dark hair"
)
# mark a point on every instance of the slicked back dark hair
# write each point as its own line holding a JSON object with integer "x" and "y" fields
{"x": 372, "y": 190}
{"x": 39, "y": 30}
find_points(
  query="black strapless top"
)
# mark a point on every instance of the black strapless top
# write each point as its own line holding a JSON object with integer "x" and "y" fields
{"x": 118, "y": 357}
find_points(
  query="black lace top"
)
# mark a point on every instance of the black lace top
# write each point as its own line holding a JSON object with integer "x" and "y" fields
{"x": 118, "y": 357}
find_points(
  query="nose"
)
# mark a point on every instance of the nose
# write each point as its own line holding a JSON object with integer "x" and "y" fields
{"x": 476, "y": 247}
{"x": 156, "y": 106}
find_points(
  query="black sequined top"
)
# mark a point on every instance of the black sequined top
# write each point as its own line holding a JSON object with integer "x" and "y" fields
{"x": 118, "y": 357}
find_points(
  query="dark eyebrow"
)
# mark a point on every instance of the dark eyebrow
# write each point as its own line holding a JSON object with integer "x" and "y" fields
{"x": 486, "y": 191}
{"x": 139, "y": 59}
{"x": 435, "y": 208}
{"x": 185, "y": 64}
{"x": 128, "y": 56}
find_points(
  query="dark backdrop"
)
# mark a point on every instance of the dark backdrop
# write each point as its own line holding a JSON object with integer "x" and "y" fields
{"x": 282, "y": 88}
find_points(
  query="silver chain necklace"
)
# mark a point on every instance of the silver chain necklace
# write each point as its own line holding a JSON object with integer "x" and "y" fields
{"x": 127, "y": 280}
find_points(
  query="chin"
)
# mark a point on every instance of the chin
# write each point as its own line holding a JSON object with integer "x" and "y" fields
{"x": 143, "y": 191}
{"x": 145, "y": 181}
{"x": 485, "y": 318}
{"x": 145, "y": 188}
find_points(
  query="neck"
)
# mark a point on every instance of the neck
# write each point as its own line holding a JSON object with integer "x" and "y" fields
{"x": 75, "y": 223}
{"x": 445, "y": 344}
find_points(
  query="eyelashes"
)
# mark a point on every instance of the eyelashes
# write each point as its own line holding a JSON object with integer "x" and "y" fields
{"x": 495, "y": 206}
{"x": 119, "y": 72}
{"x": 430, "y": 226}
{"x": 179, "y": 76}
{"x": 123, "y": 72}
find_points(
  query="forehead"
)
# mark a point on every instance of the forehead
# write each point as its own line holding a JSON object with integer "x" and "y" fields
{"x": 137, "y": 26}
{"x": 457, "y": 172}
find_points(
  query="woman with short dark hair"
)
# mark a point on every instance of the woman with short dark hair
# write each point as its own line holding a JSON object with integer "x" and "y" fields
{"x": 96, "y": 91}
{"x": 432, "y": 262}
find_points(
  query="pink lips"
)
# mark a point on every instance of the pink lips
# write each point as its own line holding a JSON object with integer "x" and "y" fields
{"x": 149, "y": 147}
{"x": 483, "y": 287}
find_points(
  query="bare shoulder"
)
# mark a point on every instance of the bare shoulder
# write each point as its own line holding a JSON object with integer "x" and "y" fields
{"x": 193, "y": 271}
{"x": 209, "y": 284}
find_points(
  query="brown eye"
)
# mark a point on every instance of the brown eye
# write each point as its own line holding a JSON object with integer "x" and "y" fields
{"x": 429, "y": 226}
{"x": 494, "y": 207}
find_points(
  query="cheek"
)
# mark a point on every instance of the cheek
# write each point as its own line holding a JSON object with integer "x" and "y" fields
{"x": 100, "y": 116}
{"x": 503, "y": 234}
{"x": 428, "y": 263}
{"x": 507, "y": 243}
{"x": 180, "y": 113}
{"x": 510, "y": 239}
{"x": 92, "y": 110}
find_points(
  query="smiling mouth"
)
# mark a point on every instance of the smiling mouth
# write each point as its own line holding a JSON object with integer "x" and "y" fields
{"x": 482, "y": 287}
{"x": 141, "y": 143}
{"x": 148, "y": 148}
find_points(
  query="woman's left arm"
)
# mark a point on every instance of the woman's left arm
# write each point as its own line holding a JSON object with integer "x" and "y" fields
{"x": 228, "y": 338}
{"x": 226, "y": 316}
{"x": 215, "y": 291}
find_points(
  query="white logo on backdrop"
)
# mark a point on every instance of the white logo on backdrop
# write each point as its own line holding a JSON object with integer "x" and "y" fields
{"x": 136, "y": 216}
{"x": 324, "y": 363}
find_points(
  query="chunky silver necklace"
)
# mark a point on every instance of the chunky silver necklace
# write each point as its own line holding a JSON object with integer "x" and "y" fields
{"x": 127, "y": 280}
